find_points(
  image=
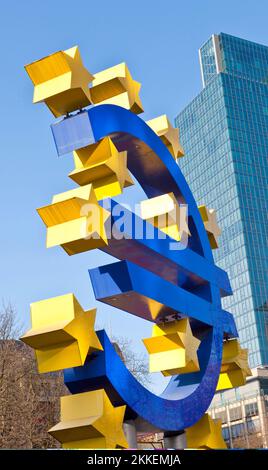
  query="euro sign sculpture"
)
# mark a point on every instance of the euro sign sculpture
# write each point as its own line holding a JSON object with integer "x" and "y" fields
{"x": 168, "y": 278}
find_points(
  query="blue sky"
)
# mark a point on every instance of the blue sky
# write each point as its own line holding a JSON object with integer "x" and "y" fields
{"x": 159, "y": 41}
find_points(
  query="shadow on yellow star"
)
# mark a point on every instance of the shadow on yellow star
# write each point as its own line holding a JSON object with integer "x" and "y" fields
{"x": 75, "y": 221}
{"x": 209, "y": 218}
{"x": 115, "y": 85}
{"x": 235, "y": 368}
{"x": 62, "y": 333}
{"x": 205, "y": 434}
{"x": 168, "y": 134}
{"x": 165, "y": 213}
{"x": 173, "y": 348}
{"x": 61, "y": 81}
{"x": 102, "y": 165}
{"x": 89, "y": 421}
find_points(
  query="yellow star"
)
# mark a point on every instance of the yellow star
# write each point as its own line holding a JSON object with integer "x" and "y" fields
{"x": 213, "y": 230}
{"x": 168, "y": 134}
{"x": 235, "y": 368}
{"x": 75, "y": 221}
{"x": 62, "y": 334}
{"x": 102, "y": 165}
{"x": 173, "y": 348}
{"x": 205, "y": 434}
{"x": 61, "y": 81}
{"x": 115, "y": 85}
{"x": 165, "y": 213}
{"x": 90, "y": 421}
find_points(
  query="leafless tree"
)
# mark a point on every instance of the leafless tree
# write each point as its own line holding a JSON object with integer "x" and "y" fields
{"x": 135, "y": 362}
{"x": 29, "y": 402}
{"x": 249, "y": 441}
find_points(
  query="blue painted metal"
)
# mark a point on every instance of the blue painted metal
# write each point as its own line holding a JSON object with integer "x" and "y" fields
{"x": 180, "y": 405}
{"x": 187, "y": 397}
{"x": 154, "y": 253}
{"x": 72, "y": 133}
{"x": 129, "y": 287}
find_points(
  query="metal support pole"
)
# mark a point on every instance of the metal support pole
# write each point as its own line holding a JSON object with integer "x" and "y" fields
{"x": 130, "y": 433}
{"x": 175, "y": 441}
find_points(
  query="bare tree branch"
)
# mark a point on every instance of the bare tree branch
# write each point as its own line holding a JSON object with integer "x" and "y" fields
{"x": 137, "y": 363}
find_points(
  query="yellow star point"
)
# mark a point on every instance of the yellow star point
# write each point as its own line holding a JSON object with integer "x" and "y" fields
{"x": 90, "y": 421}
{"x": 235, "y": 368}
{"x": 102, "y": 165}
{"x": 209, "y": 217}
{"x": 62, "y": 333}
{"x": 61, "y": 81}
{"x": 168, "y": 134}
{"x": 75, "y": 221}
{"x": 115, "y": 85}
{"x": 165, "y": 213}
{"x": 173, "y": 348}
{"x": 205, "y": 434}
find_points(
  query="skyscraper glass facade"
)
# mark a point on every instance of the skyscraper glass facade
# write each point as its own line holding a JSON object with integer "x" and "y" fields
{"x": 224, "y": 132}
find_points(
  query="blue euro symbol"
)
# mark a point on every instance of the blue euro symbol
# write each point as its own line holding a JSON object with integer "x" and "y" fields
{"x": 185, "y": 281}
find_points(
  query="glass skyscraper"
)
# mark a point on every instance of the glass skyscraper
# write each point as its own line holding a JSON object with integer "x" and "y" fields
{"x": 224, "y": 132}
